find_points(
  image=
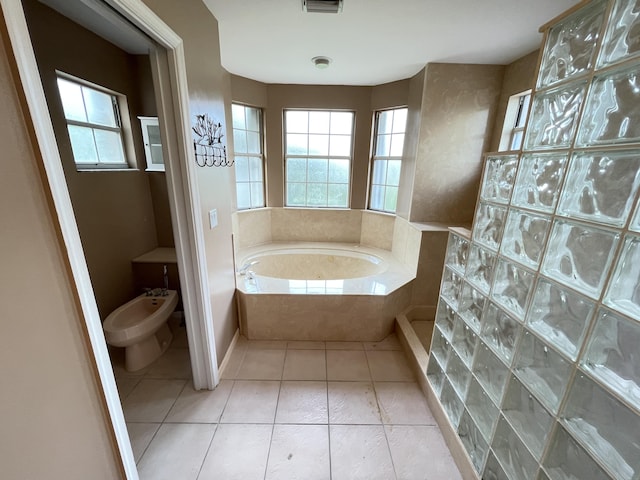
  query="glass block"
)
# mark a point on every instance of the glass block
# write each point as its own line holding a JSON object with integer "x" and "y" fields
{"x": 512, "y": 287}
{"x": 464, "y": 341}
{"x": 560, "y": 316}
{"x": 471, "y": 305}
{"x": 435, "y": 375}
{"x": 440, "y": 347}
{"x": 445, "y": 318}
{"x": 566, "y": 460}
{"x": 458, "y": 374}
{"x": 570, "y": 45}
{"x": 601, "y": 186}
{"x": 621, "y": 38}
{"x": 451, "y": 403}
{"x": 500, "y": 331}
{"x": 516, "y": 460}
{"x": 488, "y": 225}
{"x": 543, "y": 476}
{"x": 611, "y": 111}
{"x": 524, "y": 237}
{"x": 635, "y": 223}
{"x": 498, "y": 178}
{"x": 612, "y": 355}
{"x": 552, "y": 122}
{"x": 623, "y": 292}
{"x": 451, "y": 287}
{"x": 605, "y": 427}
{"x": 579, "y": 256}
{"x": 539, "y": 179}
{"x": 481, "y": 408}
{"x": 542, "y": 370}
{"x": 493, "y": 470}
{"x": 473, "y": 441}
{"x": 457, "y": 252}
{"x": 527, "y": 416}
{"x": 490, "y": 372}
{"x": 480, "y": 268}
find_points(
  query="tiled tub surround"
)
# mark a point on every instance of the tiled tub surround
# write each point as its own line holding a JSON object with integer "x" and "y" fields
{"x": 534, "y": 353}
{"x": 340, "y": 309}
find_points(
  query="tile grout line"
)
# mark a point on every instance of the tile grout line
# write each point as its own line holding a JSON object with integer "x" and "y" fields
{"x": 275, "y": 413}
{"x": 326, "y": 382}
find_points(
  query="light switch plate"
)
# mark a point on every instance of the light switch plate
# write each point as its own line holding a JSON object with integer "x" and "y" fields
{"x": 213, "y": 218}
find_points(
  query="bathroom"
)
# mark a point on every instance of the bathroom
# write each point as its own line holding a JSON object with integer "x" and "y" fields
{"x": 461, "y": 214}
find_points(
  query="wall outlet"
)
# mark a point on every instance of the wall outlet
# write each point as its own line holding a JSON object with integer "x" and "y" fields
{"x": 213, "y": 218}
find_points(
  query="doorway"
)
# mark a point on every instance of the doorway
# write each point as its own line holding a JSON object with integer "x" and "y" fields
{"x": 169, "y": 78}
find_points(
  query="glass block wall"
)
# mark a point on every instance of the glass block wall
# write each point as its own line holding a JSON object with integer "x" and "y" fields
{"x": 536, "y": 348}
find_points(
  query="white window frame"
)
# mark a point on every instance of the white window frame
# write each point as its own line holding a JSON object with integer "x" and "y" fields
{"x": 307, "y": 157}
{"x": 260, "y": 156}
{"x": 515, "y": 119}
{"x": 384, "y": 158}
{"x": 122, "y": 127}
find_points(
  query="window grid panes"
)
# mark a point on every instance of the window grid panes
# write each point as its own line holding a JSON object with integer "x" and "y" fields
{"x": 390, "y": 126}
{"x": 249, "y": 160}
{"x": 318, "y": 146}
{"x": 517, "y": 134}
{"x": 93, "y": 124}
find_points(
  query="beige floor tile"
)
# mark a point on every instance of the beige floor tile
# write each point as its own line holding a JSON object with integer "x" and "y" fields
{"x": 176, "y": 452}
{"x": 389, "y": 366}
{"x": 126, "y": 385}
{"x": 174, "y": 363}
{"x": 360, "y": 452}
{"x": 302, "y": 402}
{"x": 403, "y": 403}
{"x": 305, "y": 365}
{"x": 344, "y": 346}
{"x": 389, "y": 343}
{"x": 151, "y": 400}
{"x": 200, "y": 406}
{"x": 266, "y": 344}
{"x": 141, "y": 435}
{"x": 353, "y": 403}
{"x": 252, "y": 402}
{"x": 238, "y": 452}
{"x": 420, "y": 452}
{"x": 299, "y": 452}
{"x": 262, "y": 365}
{"x": 348, "y": 365}
{"x": 232, "y": 367}
{"x": 305, "y": 345}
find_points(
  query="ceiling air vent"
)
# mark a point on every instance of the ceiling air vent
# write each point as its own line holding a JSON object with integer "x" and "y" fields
{"x": 322, "y": 6}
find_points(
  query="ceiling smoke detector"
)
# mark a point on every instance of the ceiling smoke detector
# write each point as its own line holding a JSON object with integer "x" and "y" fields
{"x": 322, "y": 6}
{"x": 321, "y": 62}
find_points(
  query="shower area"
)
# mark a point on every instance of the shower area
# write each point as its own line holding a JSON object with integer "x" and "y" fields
{"x": 534, "y": 357}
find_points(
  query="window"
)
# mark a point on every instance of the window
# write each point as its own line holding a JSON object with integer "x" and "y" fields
{"x": 247, "y": 144}
{"x": 93, "y": 122}
{"x": 514, "y": 120}
{"x": 388, "y": 146}
{"x": 318, "y": 146}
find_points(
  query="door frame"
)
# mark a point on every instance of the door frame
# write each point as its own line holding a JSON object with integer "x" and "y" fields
{"x": 170, "y": 82}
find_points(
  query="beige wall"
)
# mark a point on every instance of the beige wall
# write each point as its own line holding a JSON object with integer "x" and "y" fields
{"x": 114, "y": 210}
{"x": 209, "y": 92}
{"x": 52, "y": 416}
{"x": 518, "y": 77}
{"x": 458, "y": 110}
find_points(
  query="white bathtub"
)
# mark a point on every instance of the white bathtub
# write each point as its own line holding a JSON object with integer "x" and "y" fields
{"x": 320, "y": 291}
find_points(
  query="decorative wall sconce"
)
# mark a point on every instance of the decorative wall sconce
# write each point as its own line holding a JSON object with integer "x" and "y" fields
{"x": 208, "y": 148}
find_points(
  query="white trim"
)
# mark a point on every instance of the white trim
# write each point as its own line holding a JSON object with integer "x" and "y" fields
{"x": 227, "y": 356}
{"x": 170, "y": 76}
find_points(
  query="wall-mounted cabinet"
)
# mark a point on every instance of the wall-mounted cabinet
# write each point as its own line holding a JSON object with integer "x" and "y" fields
{"x": 152, "y": 144}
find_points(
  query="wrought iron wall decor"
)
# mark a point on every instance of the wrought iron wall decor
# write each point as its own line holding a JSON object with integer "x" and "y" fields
{"x": 208, "y": 148}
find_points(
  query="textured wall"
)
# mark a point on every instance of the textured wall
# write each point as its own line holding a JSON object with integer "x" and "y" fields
{"x": 458, "y": 111}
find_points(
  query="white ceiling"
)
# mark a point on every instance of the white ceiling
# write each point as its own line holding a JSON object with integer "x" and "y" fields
{"x": 374, "y": 41}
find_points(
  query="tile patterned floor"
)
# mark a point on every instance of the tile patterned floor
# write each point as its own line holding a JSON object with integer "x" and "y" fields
{"x": 285, "y": 410}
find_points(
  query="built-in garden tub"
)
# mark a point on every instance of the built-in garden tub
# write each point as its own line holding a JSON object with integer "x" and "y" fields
{"x": 320, "y": 291}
